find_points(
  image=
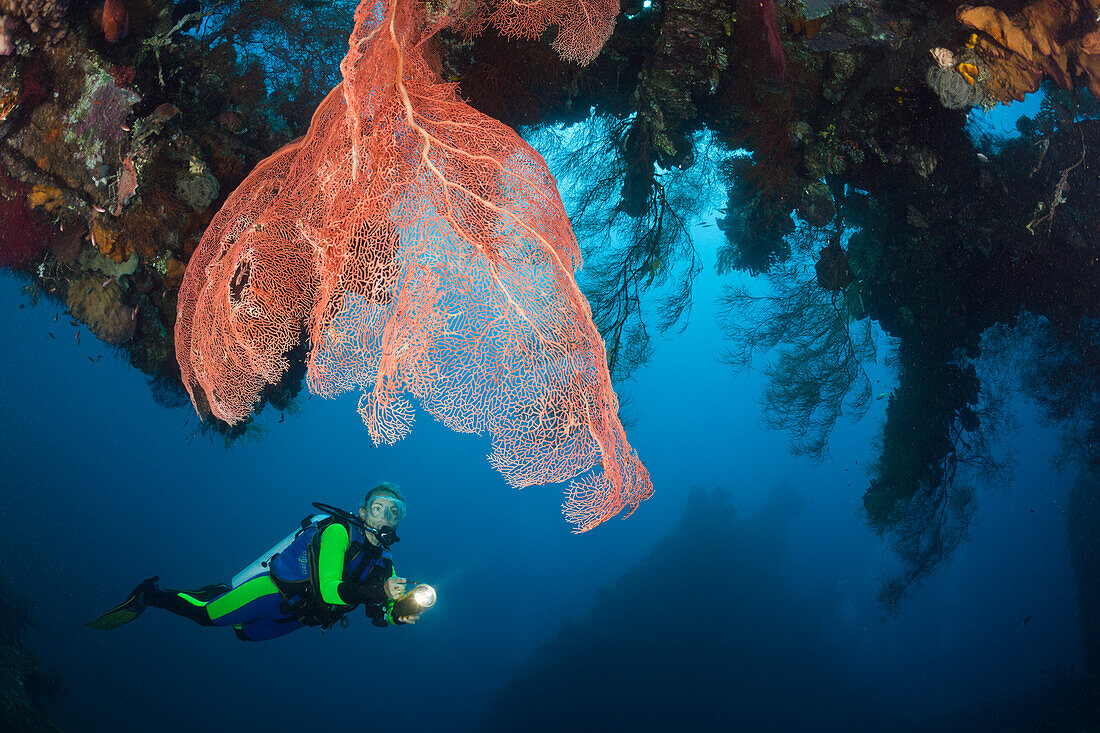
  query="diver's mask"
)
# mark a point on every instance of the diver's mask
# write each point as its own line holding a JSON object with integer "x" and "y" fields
{"x": 385, "y": 510}
{"x": 383, "y": 515}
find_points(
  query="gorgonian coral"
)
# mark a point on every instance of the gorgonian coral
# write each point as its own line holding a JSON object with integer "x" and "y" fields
{"x": 423, "y": 249}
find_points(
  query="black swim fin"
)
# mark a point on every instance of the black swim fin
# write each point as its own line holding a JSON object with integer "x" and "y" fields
{"x": 128, "y": 610}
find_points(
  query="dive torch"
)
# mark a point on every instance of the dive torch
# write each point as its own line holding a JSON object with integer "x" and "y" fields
{"x": 414, "y": 601}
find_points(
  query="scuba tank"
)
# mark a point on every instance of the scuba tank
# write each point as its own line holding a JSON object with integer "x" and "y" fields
{"x": 262, "y": 563}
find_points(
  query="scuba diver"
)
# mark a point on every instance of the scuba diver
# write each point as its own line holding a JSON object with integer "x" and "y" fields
{"x": 335, "y": 562}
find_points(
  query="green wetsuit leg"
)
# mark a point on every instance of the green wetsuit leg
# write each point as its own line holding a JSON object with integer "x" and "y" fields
{"x": 255, "y": 599}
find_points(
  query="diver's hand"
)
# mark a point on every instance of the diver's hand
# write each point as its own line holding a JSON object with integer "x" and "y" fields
{"x": 394, "y": 587}
{"x": 408, "y": 619}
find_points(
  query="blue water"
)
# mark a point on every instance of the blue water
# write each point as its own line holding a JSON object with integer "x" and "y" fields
{"x": 102, "y": 488}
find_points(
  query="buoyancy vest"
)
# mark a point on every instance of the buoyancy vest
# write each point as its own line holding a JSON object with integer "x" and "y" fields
{"x": 295, "y": 571}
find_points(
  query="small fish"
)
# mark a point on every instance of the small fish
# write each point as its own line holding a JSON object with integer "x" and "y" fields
{"x": 99, "y": 209}
{"x": 52, "y": 336}
{"x": 281, "y": 417}
{"x": 22, "y": 305}
{"x": 133, "y": 313}
{"x": 91, "y": 360}
{"x": 73, "y": 322}
{"x": 76, "y": 338}
{"x": 124, "y": 128}
{"x": 105, "y": 283}
{"x": 1027, "y": 618}
{"x": 880, "y": 395}
{"x": 55, "y": 315}
{"x": 982, "y": 157}
{"x": 98, "y": 357}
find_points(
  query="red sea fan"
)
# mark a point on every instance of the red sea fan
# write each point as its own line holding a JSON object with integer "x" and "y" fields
{"x": 424, "y": 250}
{"x": 583, "y": 25}
{"x": 760, "y": 35}
{"x": 22, "y": 237}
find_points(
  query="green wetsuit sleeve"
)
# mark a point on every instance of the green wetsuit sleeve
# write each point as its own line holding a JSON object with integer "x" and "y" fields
{"x": 389, "y": 601}
{"x": 330, "y": 562}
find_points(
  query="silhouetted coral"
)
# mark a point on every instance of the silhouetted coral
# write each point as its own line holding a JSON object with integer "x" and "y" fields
{"x": 630, "y": 255}
{"x": 817, "y": 342}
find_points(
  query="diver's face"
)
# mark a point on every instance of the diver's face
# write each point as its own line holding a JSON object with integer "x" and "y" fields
{"x": 383, "y": 511}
